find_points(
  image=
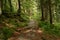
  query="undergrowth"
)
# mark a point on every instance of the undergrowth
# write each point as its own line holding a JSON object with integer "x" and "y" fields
{"x": 8, "y": 26}
{"x": 53, "y": 29}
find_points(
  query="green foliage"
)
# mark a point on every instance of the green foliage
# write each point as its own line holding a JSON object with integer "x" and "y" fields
{"x": 29, "y": 8}
{"x": 50, "y": 29}
{"x": 10, "y": 8}
{"x": 17, "y": 23}
{"x": 1, "y": 35}
{"x": 7, "y": 32}
{"x": 12, "y": 22}
{"x": 6, "y": 6}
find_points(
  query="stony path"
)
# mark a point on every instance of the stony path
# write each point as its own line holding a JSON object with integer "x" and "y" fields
{"x": 31, "y": 33}
{"x": 28, "y": 34}
{"x": 32, "y": 23}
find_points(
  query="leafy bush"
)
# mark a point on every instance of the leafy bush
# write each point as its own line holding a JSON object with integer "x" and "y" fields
{"x": 7, "y": 32}
{"x": 50, "y": 29}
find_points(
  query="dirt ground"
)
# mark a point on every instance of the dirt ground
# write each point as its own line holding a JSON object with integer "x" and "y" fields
{"x": 31, "y": 34}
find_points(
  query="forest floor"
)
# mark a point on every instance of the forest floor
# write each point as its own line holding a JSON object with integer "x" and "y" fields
{"x": 32, "y": 33}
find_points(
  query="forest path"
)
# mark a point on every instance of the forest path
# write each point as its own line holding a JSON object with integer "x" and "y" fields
{"x": 32, "y": 23}
{"x": 31, "y": 33}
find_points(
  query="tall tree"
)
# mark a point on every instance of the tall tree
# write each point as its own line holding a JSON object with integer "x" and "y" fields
{"x": 50, "y": 12}
{"x": 57, "y": 10}
{"x": 1, "y": 5}
{"x": 44, "y": 9}
{"x": 10, "y": 5}
{"x": 19, "y": 10}
{"x": 41, "y": 3}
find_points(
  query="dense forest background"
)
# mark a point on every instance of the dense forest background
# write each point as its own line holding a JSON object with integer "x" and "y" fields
{"x": 20, "y": 15}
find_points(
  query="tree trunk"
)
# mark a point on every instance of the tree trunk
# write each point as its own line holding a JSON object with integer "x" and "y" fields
{"x": 10, "y": 6}
{"x": 41, "y": 3}
{"x": 1, "y": 6}
{"x": 50, "y": 12}
{"x": 19, "y": 6}
{"x": 44, "y": 9}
